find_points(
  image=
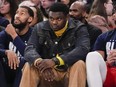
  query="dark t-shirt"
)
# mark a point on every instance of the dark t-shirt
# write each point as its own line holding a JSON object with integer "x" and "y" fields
{"x": 106, "y": 42}
{"x": 17, "y": 45}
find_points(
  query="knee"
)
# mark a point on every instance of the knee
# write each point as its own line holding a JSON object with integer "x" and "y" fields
{"x": 26, "y": 66}
{"x": 29, "y": 67}
{"x": 93, "y": 57}
{"x": 79, "y": 63}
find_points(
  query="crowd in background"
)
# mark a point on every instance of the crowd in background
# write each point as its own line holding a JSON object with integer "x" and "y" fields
{"x": 99, "y": 16}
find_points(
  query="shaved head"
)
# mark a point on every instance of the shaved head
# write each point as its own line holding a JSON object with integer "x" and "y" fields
{"x": 79, "y": 5}
{"x": 77, "y": 10}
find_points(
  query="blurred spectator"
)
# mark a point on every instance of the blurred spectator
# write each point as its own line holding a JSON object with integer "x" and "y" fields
{"x": 38, "y": 17}
{"x": 36, "y": 2}
{"x": 78, "y": 12}
{"x": 3, "y": 21}
{"x": 99, "y": 13}
{"x": 45, "y": 5}
{"x": 67, "y": 2}
{"x": 111, "y": 21}
{"x": 8, "y": 9}
{"x": 114, "y": 18}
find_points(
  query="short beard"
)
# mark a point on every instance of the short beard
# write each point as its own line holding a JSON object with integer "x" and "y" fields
{"x": 20, "y": 26}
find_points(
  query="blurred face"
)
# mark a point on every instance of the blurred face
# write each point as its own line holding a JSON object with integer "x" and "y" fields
{"x": 57, "y": 20}
{"x": 5, "y": 8}
{"x": 36, "y": 2}
{"x": 114, "y": 17}
{"x": 65, "y": 1}
{"x": 76, "y": 11}
{"x": 46, "y": 3}
{"x": 1, "y": 2}
{"x": 22, "y": 18}
{"x": 109, "y": 7}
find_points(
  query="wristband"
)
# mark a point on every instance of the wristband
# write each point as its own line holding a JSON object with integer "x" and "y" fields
{"x": 56, "y": 61}
{"x": 60, "y": 60}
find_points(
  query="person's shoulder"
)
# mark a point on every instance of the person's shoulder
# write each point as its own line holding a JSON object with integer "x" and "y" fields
{"x": 42, "y": 24}
{"x": 75, "y": 23}
{"x": 93, "y": 28}
{"x": 3, "y": 22}
{"x": 108, "y": 34}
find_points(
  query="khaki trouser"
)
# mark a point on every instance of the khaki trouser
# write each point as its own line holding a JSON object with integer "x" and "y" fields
{"x": 73, "y": 77}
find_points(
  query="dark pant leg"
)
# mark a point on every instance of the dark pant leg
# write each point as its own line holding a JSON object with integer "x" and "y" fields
{"x": 2, "y": 76}
{"x": 19, "y": 73}
{"x": 9, "y": 73}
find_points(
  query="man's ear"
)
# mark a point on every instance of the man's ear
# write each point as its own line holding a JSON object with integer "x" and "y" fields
{"x": 105, "y": 4}
{"x": 30, "y": 19}
{"x": 84, "y": 14}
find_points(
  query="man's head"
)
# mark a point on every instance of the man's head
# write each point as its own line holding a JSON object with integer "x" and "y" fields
{"x": 24, "y": 15}
{"x": 58, "y": 16}
{"x": 77, "y": 10}
{"x": 47, "y": 3}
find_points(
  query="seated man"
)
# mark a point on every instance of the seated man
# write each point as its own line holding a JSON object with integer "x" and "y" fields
{"x": 13, "y": 40}
{"x": 55, "y": 52}
{"x": 78, "y": 13}
{"x": 101, "y": 64}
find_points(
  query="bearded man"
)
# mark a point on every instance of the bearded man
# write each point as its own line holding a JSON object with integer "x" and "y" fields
{"x": 12, "y": 44}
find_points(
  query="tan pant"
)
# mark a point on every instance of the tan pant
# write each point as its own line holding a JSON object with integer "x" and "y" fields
{"x": 73, "y": 77}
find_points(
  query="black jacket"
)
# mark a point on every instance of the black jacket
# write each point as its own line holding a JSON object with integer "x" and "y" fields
{"x": 94, "y": 32}
{"x": 72, "y": 46}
